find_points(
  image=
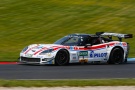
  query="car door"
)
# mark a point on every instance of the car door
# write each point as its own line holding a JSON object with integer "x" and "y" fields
{"x": 98, "y": 50}
{"x": 92, "y": 50}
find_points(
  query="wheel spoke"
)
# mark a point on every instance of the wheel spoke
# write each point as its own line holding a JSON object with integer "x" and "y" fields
{"x": 62, "y": 57}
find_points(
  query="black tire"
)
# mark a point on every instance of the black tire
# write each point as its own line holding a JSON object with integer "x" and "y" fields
{"x": 62, "y": 58}
{"x": 116, "y": 56}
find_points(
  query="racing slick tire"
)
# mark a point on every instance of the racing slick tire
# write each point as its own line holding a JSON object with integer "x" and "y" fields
{"x": 116, "y": 56}
{"x": 62, "y": 58}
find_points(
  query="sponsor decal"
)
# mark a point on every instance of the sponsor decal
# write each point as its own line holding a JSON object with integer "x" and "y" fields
{"x": 83, "y": 60}
{"x": 49, "y": 54}
{"x": 67, "y": 47}
{"x": 71, "y": 48}
{"x": 94, "y": 55}
{"x": 74, "y": 56}
{"x": 124, "y": 44}
{"x": 83, "y": 53}
{"x": 40, "y": 56}
{"x": 111, "y": 44}
{"x": 118, "y": 44}
{"x": 51, "y": 61}
{"x": 28, "y": 55}
{"x": 39, "y": 47}
{"x": 76, "y": 48}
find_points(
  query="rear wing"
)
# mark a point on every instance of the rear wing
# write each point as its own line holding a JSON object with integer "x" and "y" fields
{"x": 120, "y": 36}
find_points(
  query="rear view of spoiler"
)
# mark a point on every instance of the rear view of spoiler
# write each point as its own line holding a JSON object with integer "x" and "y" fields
{"x": 117, "y": 35}
{"x": 120, "y": 36}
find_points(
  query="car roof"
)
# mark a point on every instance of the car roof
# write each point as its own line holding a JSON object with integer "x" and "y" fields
{"x": 83, "y": 34}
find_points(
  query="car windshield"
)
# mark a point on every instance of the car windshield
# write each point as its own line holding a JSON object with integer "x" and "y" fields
{"x": 69, "y": 40}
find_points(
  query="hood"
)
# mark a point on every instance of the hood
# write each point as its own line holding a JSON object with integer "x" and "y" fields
{"x": 38, "y": 48}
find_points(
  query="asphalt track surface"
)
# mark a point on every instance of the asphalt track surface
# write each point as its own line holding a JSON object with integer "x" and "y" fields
{"x": 73, "y": 71}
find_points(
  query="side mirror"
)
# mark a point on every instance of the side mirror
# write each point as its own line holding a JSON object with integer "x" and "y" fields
{"x": 87, "y": 45}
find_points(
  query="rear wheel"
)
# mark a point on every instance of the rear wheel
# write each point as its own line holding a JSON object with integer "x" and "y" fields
{"x": 116, "y": 56}
{"x": 62, "y": 58}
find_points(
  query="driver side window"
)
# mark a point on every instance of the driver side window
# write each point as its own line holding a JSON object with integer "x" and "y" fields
{"x": 90, "y": 40}
{"x": 87, "y": 40}
{"x": 95, "y": 41}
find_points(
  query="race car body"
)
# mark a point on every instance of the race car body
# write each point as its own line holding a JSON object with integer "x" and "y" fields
{"x": 79, "y": 48}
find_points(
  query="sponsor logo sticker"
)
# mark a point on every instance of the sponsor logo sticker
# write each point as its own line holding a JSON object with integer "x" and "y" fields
{"x": 94, "y": 55}
{"x": 28, "y": 55}
{"x": 83, "y": 60}
{"x": 83, "y": 53}
{"x": 49, "y": 54}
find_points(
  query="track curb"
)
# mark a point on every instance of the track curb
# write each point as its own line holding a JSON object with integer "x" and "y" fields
{"x": 7, "y": 62}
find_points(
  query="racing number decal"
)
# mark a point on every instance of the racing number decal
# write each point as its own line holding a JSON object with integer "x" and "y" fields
{"x": 83, "y": 54}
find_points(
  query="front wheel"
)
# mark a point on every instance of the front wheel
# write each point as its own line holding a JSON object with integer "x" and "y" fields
{"x": 116, "y": 56}
{"x": 62, "y": 58}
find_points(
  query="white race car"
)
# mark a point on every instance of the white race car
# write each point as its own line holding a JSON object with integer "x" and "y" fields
{"x": 79, "y": 48}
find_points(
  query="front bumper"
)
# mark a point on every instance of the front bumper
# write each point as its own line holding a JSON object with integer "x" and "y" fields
{"x": 27, "y": 60}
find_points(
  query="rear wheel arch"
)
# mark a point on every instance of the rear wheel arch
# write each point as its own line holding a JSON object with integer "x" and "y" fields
{"x": 119, "y": 48}
{"x": 119, "y": 53}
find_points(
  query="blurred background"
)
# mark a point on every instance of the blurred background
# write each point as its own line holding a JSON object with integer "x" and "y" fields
{"x": 24, "y": 22}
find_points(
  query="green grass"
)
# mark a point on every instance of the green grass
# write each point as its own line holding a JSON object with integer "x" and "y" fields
{"x": 24, "y": 22}
{"x": 71, "y": 83}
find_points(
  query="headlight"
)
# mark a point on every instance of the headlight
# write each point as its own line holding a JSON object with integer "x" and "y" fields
{"x": 24, "y": 49}
{"x": 46, "y": 51}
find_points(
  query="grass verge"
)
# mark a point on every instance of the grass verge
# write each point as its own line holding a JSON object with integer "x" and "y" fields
{"x": 71, "y": 83}
{"x": 24, "y": 22}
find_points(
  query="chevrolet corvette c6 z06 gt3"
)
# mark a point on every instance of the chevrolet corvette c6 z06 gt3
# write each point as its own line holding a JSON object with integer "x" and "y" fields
{"x": 79, "y": 48}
